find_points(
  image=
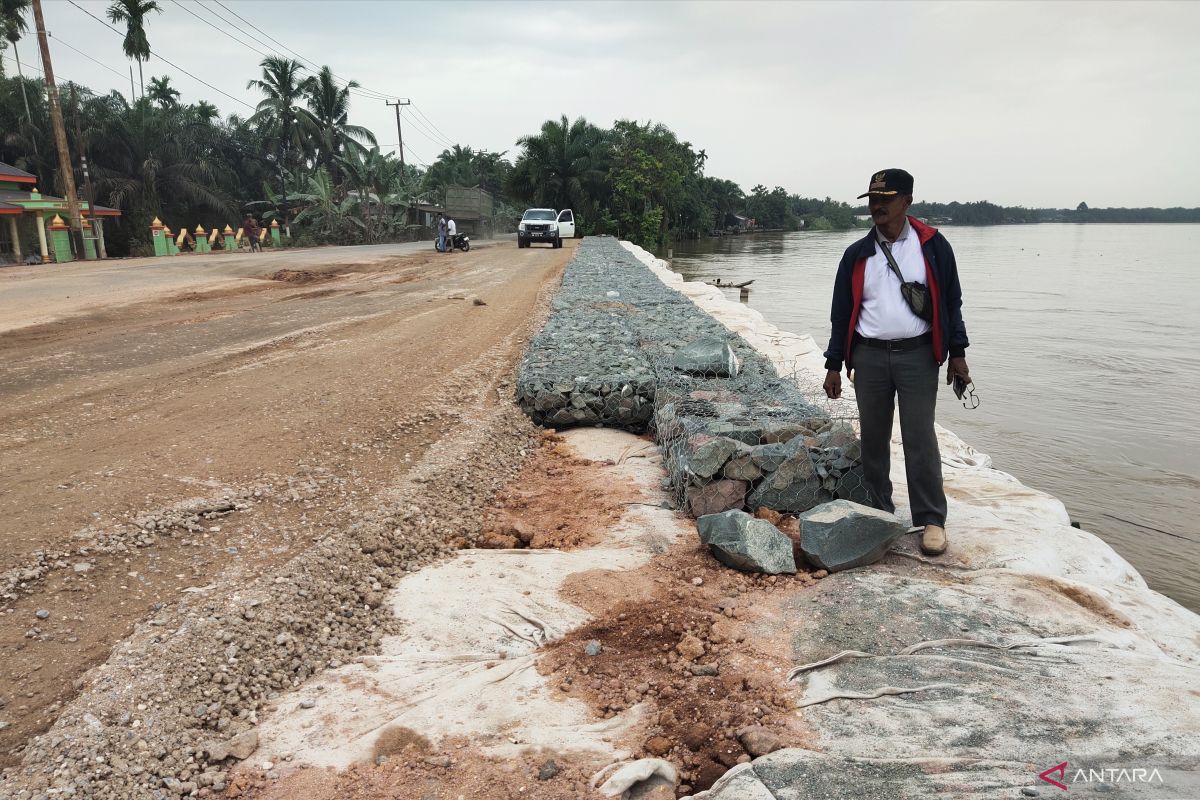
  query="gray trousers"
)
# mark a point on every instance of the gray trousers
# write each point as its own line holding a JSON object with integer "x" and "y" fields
{"x": 880, "y": 378}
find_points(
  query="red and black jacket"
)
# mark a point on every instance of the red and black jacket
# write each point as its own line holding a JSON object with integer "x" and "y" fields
{"x": 941, "y": 276}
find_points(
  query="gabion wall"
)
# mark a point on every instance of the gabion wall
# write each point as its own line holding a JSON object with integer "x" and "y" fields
{"x": 623, "y": 350}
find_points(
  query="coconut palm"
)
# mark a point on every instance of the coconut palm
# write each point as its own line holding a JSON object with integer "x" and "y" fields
{"x": 136, "y": 45}
{"x": 13, "y": 25}
{"x": 329, "y": 105}
{"x": 291, "y": 127}
{"x": 163, "y": 93}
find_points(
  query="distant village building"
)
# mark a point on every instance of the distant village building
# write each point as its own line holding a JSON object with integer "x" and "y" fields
{"x": 36, "y": 231}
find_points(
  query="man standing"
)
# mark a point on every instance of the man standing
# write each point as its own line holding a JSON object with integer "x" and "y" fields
{"x": 441, "y": 232}
{"x": 250, "y": 226}
{"x": 451, "y": 230}
{"x": 892, "y": 353}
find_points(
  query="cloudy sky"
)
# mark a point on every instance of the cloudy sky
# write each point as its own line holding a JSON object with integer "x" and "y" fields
{"x": 1020, "y": 103}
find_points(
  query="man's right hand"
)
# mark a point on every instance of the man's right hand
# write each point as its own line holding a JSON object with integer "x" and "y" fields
{"x": 833, "y": 384}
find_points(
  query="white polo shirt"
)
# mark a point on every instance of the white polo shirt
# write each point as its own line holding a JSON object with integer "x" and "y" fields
{"x": 884, "y": 314}
{"x": 450, "y": 229}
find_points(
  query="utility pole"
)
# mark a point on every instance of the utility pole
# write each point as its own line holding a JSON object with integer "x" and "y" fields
{"x": 60, "y": 134}
{"x": 97, "y": 225}
{"x": 400, "y": 133}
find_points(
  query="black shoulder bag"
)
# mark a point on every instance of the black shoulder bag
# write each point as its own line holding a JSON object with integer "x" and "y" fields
{"x": 915, "y": 293}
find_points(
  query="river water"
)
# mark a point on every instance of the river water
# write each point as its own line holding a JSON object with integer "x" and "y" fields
{"x": 1085, "y": 351}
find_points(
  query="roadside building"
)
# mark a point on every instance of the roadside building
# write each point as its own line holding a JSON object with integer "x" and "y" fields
{"x": 35, "y": 225}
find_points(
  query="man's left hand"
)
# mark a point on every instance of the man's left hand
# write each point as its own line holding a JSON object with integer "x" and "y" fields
{"x": 958, "y": 366}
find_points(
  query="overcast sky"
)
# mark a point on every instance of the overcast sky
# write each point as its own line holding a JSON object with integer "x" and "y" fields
{"x": 1020, "y": 103}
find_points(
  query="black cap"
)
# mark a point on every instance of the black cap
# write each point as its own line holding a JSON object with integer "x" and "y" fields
{"x": 889, "y": 182}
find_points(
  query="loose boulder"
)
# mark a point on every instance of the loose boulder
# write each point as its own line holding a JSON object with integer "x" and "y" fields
{"x": 710, "y": 356}
{"x": 740, "y": 541}
{"x": 841, "y": 534}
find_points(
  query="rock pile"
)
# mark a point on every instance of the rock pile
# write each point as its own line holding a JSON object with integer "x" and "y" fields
{"x": 623, "y": 350}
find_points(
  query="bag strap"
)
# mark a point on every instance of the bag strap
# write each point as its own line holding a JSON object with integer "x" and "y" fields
{"x": 887, "y": 251}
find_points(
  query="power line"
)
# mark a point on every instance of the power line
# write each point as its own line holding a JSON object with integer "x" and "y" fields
{"x": 427, "y": 119}
{"x": 431, "y": 132}
{"x": 219, "y": 30}
{"x": 421, "y": 130}
{"x": 312, "y": 65}
{"x": 120, "y": 75}
{"x": 165, "y": 61}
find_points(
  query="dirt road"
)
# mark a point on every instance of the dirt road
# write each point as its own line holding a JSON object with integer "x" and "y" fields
{"x": 165, "y": 426}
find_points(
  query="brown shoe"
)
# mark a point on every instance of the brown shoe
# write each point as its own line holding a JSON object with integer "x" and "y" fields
{"x": 933, "y": 540}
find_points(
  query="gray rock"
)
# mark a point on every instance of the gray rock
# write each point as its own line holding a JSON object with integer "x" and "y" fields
{"x": 852, "y": 485}
{"x": 42, "y": 613}
{"x": 780, "y": 432}
{"x": 769, "y": 457}
{"x": 242, "y": 746}
{"x": 593, "y": 648}
{"x": 744, "y": 431}
{"x": 758, "y": 741}
{"x": 707, "y": 458}
{"x": 743, "y": 542}
{"x": 307, "y": 703}
{"x": 841, "y": 534}
{"x": 1029, "y": 791}
{"x": 742, "y": 468}
{"x": 793, "y": 488}
{"x": 708, "y": 356}
{"x": 548, "y": 770}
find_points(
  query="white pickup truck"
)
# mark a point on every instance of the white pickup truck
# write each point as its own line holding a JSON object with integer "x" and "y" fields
{"x": 545, "y": 225}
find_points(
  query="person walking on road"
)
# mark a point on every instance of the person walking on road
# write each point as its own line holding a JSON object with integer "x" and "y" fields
{"x": 897, "y": 317}
{"x": 250, "y": 226}
{"x": 441, "y": 233}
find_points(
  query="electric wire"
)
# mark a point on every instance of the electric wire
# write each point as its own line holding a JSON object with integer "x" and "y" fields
{"x": 119, "y": 74}
{"x": 427, "y": 119}
{"x": 357, "y": 89}
{"x": 164, "y": 60}
{"x": 221, "y": 31}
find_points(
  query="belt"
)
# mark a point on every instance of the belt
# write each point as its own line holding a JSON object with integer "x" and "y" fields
{"x": 895, "y": 345}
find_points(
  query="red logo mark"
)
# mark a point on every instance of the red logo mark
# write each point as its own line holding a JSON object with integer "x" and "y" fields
{"x": 1061, "y": 769}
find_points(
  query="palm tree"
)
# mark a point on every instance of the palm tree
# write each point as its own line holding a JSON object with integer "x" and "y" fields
{"x": 291, "y": 127}
{"x": 330, "y": 108}
{"x": 154, "y": 164}
{"x": 14, "y": 25}
{"x": 371, "y": 173}
{"x": 136, "y": 45}
{"x": 563, "y": 166}
{"x": 163, "y": 93}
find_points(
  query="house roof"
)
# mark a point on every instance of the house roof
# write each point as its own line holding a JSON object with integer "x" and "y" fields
{"x": 11, "y": 173}
{"x": 15, "y": 197}
{"x": 6, "y": 208}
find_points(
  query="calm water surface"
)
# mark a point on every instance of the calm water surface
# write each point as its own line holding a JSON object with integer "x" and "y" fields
{"x": 1085, "y": 350}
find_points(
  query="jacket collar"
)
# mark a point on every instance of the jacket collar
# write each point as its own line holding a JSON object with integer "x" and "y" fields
{"x": 866, "y": 245}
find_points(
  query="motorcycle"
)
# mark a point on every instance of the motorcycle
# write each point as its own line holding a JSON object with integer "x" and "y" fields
{"x": 458, "y": 240}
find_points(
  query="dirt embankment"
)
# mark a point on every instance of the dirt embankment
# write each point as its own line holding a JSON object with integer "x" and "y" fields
{"x": 169, "y": 461}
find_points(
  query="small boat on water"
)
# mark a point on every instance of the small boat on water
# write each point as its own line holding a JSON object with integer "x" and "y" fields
{"x": 727, "y": 285}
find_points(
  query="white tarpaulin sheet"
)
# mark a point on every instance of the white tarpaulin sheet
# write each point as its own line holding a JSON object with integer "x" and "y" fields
{"x": 463, "y": 665}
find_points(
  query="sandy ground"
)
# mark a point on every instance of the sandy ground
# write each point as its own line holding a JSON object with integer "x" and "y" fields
{"x": 167, "y": 425}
